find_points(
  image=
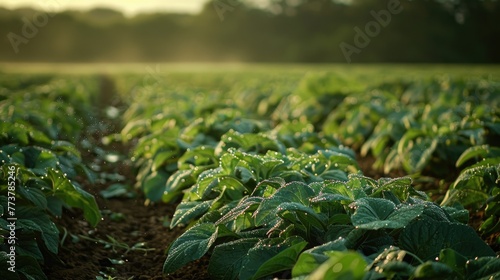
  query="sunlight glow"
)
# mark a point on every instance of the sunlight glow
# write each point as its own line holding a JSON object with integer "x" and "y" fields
{"x": 128, "y": 7}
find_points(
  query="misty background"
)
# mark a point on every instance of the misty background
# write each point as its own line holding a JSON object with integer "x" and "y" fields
{"x": 298, "y": 31}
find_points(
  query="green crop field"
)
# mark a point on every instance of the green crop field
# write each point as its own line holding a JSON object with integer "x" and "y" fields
{"x": 182, "y": 171}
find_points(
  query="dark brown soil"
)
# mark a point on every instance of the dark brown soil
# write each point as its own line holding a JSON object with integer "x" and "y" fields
{"x": 87, "y": 259}
{"x": 84, "y": 253}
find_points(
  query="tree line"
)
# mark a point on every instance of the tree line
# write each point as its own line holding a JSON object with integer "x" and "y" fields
{"x": 358, "y": 31}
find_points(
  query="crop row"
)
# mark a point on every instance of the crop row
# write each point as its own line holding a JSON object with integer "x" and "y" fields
{"x": 268, "y": 185}
{"x": 42, "y": 120}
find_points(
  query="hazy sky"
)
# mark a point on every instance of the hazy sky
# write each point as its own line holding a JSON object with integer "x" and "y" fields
{"x": 129, "y": 7}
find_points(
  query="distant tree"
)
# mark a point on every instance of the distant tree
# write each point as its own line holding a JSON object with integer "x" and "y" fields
{"x": 272, "y": 31}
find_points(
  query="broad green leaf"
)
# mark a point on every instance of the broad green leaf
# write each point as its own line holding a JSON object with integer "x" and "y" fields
{"x": 232, "y": 188}
{"x": 417, "y": 153}
{"x": 189, "y": 210}
{"x": 39, "y": 137}
{"x": 179, "y": 181}
{"x": 330, "y": 197}
{"x": 392, "y": 160}
{"x": 230, "y": 160}
{"x": 474, "y": 185}
{"x": 199, "y": 156}
{"x": 474, "y": 135}
{"x": 254, "y": 233}
{"x": 243, "y": 206}
{"x": 308, "y": 218}
{"x": 268, "y": 187}
{"x": 377, "y": 213}
{"x": 250, "y": 142}
{"x": 83, "y": 169}
{"x": 340, "y": 161}
{"x": 135, "y": 128}
{"x": 43, "y": 225}
{"x": 190, "y": 246}
{"x": 391, "y": 262}
{"x": 27, "y": 245}
{"x": 360, "y": 185}
{"x": 284, "y": 260}
{"x": 154, "y": 185}
{"x": 342, "y": 266}
{"x": 484, "y": 268}
{"x": 206, "y": 182}
{"x": 227, "y": 258}
{"x": 479, "y": 152}
{"x": 399, "y": 186}
{"x": 214, "y": 215}
{"x": 263, "y": 251}
{"x": 369, "y": 240}
{"x": 312, "y": 258}
{"x": 34, "y": 195}
{"x": 391, "y": 268}
{"x": 66, "y": 147}
{"x": 334, "y": 191}
{"x": 457, "y": 213}
{"x": 18, "y": 158}
{"x": 491, "y": 225}
{"x": 162, "y": 157}
{"x": 433, "y": 212}
{"x": 270, "y": 168}
{"x": 73, "y": 196}
{"x": 453, "y": 259}
{"x": 14, "y": 133}
{"x": 335, "y": 231}
{"x": 292, "y": 192}
{"x": 433, "y": 270}
{"x": 426, "y": 239}
{"x": 244, "y": 174}
{"x": 39, "y": 160}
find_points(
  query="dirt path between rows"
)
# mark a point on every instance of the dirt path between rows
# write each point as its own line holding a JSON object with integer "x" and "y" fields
{"x": 86, "y": 259}
{"x": 87, "y": 253}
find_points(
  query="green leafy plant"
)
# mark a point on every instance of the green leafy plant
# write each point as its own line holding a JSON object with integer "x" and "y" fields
{"x": 239, "y": 173}
{"x": 309, "y": 229}
{"x": 412, "y": 127}
{"x": 478, "y": 186}
{"x": 39, "y": 167}
{"x": 268, "y": 189}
